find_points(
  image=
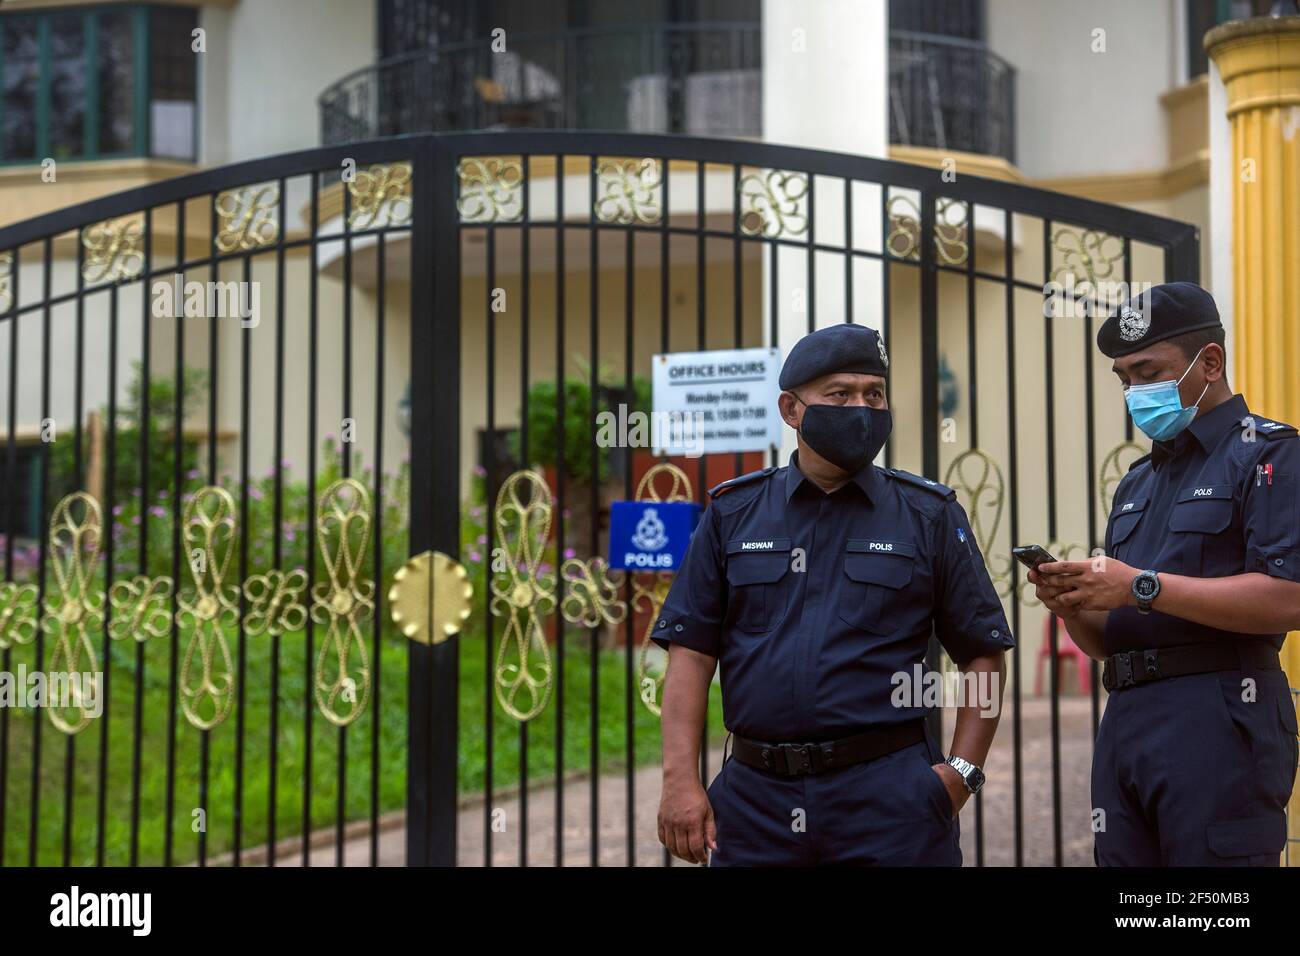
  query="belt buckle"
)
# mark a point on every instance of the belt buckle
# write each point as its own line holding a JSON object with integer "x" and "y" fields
{"x": 797, "y": 759}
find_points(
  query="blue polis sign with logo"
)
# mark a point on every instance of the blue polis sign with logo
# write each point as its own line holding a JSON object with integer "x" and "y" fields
{"x": 650, "y": 535}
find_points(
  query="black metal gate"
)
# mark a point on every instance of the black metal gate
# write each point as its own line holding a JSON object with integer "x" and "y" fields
{"x": 542, "y": 271}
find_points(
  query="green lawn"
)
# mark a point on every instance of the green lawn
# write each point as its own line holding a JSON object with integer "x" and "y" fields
{"x": 220, "y": 804}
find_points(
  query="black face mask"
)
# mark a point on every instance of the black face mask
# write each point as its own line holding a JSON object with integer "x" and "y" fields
{"x": 848, "y": 436}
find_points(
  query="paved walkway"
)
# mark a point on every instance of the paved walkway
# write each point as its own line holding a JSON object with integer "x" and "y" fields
{"x": 998, "y": 807}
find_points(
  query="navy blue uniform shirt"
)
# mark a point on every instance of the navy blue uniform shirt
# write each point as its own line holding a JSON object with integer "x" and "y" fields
{"x": 1221, "y": 498}
{"x": 812, "y": 602}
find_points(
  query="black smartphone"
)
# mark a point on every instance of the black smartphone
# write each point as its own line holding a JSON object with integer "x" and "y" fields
{"x": 1032, "y": 555}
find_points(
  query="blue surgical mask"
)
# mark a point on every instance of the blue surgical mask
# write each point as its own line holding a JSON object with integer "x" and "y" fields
{"x": 1158, "y": 409}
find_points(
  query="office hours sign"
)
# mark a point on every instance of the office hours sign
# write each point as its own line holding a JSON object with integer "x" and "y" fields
{"x": 716, "y": 402}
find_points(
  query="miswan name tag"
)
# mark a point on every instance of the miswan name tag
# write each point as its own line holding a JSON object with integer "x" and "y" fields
{"x": 650, "y": 535}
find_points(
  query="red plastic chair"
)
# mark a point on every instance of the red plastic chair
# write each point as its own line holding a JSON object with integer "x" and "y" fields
{"x": 1065, "y": 649}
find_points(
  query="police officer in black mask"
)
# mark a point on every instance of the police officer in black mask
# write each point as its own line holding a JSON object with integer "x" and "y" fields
{"x": 816, "y": 588}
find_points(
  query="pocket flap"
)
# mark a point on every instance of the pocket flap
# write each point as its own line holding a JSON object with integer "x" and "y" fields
{"x": 892, "y": 568}
{"x": 757, "y": 567}
{"x": 1208, "y": 515}
{"x": 1127, "y": 516}
{"x": 1258, "y": 835}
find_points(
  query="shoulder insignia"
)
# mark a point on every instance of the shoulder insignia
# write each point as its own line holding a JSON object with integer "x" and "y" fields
{"x": 1140, "y": 461}
{"x": 736, "y": 482}
{"x": 928, "y": 484}
{"x": 1269, "y": 429}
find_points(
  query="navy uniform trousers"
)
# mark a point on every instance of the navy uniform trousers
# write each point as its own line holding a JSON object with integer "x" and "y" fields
{"x": 1188, "y": 773}
{"x": 891, "y": 811}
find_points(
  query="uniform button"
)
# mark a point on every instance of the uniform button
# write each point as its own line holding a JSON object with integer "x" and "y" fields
{"x": 1279, "y": 562}
{"x": 677, "y": 628}
{"x": 663, "y": 623}
{"x": 996, "y": 633}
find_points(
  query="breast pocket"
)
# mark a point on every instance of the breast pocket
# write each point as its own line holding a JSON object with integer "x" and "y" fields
{"x": 757, "y": 576}
{"x": 1128, "y": 515}
{"x": 1200, "y": 514}
{"x": 875, "y": 571}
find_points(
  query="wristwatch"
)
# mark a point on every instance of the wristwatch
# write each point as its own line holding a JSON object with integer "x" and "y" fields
{"x": 1146, "y": 588}
{"x": 971, "y": 775}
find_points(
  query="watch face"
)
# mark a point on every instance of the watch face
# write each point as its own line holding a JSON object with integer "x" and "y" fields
{"x": 975, "y": 780}
{"x": 1144, "y": 585}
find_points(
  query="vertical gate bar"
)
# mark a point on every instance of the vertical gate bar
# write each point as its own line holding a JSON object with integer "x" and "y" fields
{"x": 848, "y": 251}
{"x": 277, "y": 523}
{"x": 1090, "y": 451}
{"x": 347, "y": 437}
{"x": 446, "y": 313}
{"x": 80, "y": 484}
{"x": 214, "y": 272}
{"x": 110, "y": 495}
{"x": 1128, "y": 284}
{"x": 1008, "y": 260}
{"x": 774, "y": 308}
{"x": 419, "y": 663}
{"x": 142, "y": 568}
{"x": 737, "y": 286}
{"x": 47, "y": 249}
{"x": 811, "y": 275}
{"x": 972, "y": 373}
{"x": 11, "y": 474}
{"x": 930, "y": 399}
{"x": 245, "y": 401}
{"x": 377, "y": 638}
{"x": 313, "y": 330}
{"x": 593, "y": 315}
{"x": 178, "y": 428}
{"x": 435, "y": 468}
{"x": 664, "y": 289}
{"x": 1049, "y": 365}
{"x": 491, "y": 484}
{"x": 629, "y": 390}
{"x": 560, "y": 319}
{"x": 701, "y": 343}
{"x": 526, "y": 275}
{"x": 886, "y": 268}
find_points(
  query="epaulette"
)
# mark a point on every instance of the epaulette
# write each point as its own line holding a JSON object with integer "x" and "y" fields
{"x": 1140, "y": 461}
{"x": 1270, "y": 429}
{"x": 928, "y": 484}
{"x": 739, "y": 480}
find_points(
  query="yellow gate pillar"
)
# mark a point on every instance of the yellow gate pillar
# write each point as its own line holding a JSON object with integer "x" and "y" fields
{"x": 1259, "y": 63}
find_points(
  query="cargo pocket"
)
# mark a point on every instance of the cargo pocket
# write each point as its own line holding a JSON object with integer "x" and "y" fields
{"x": 1254, "y": 842}
{"x": 1199, "y": 513}
{"x": 874, "y": 569}
{"x": 1128, "y": 515}
{"x": 757, "y": 576}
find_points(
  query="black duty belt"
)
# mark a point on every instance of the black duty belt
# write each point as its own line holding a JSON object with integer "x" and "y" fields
{"x": 796, "y": 760}
{"x": 1141, "y": 667}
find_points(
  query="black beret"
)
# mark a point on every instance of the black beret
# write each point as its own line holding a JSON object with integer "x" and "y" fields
{"x": 1160, "y": 313}
{"x": 836, "y": 348}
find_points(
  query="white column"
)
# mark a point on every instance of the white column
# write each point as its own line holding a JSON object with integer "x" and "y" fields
{"x": 825, "y": 86}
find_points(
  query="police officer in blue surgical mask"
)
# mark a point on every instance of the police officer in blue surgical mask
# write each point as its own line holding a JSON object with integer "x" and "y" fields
{"x": 1196, "y": 754}
{"x": 816, "y": 587}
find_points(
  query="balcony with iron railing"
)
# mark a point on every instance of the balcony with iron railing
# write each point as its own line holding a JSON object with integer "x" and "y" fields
{"x": 698, "y": 79}
{"x": 951, "y": 94}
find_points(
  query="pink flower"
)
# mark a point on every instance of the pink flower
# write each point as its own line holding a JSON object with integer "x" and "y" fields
{"x": 475, "y": 556}
{"x": 570, "y": 553}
